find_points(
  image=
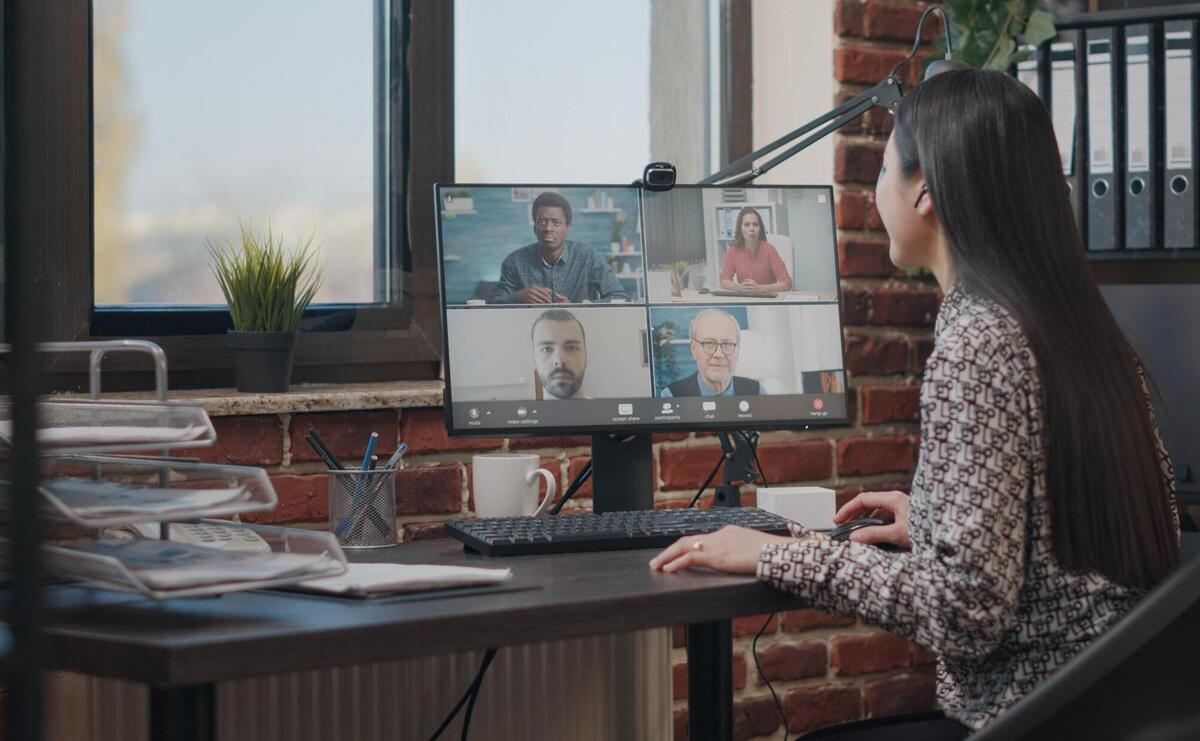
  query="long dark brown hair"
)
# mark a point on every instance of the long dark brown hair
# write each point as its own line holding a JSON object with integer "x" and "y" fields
{"x": 986, "y": 148}
{"x": 738, "y": 239}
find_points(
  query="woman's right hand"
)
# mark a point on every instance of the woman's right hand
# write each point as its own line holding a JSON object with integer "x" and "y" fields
{"x": 887, "y": 505}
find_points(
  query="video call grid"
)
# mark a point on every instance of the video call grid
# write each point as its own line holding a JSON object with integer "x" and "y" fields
{"x": 696, "y": 303}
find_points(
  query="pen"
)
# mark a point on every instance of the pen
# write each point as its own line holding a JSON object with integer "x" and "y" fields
{"x": 395, "y": 458}
{"x": 330, "y": 461}
{"x": 380, "y": 522}
{"x": 371, "y": 442}
{"x": 356, "y": 495}
{"x": 318, "y": 444}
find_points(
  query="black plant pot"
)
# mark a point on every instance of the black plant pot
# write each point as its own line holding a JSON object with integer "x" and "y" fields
{"x": 262, "y": 361}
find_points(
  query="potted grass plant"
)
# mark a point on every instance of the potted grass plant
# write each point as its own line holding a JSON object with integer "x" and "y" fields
{"x": 267, "y": 292}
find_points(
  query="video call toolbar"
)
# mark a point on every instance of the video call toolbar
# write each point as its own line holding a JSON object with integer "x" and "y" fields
{"x": 612, "y": 413}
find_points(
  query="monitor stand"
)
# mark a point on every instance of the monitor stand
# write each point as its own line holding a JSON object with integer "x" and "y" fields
{"x": 740, "y": 461}
{"x": 622, "y": 472}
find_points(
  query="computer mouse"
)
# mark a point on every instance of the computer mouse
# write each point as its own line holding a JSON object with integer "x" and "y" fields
{"x": 842, "y": 532}
{"x": 703, "y": 290}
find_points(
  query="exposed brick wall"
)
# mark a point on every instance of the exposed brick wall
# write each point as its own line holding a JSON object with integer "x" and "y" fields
{"x": 827, "y": 668}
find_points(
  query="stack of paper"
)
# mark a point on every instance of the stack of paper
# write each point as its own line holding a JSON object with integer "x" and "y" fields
{"x": 167, "y": 565}
{"x": 90, "y": 498}
{"x": 375, "y": 578}
{"x": 227, "y": 537}
{"x": 109, "y": 435}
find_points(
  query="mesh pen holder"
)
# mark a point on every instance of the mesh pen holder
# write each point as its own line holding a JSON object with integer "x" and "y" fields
{"x": 362, "y": 508}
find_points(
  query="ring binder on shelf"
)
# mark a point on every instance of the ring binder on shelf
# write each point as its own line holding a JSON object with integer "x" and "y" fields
{"x": 1141, "y": 188}
{"x": 1179, "y": 152}
{"x": 1102, "y": 194}
{"x": 1061, "y": 95}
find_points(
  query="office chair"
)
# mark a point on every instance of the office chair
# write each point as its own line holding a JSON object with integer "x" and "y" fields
{"x": 783, "y": 245}
{"x": 1137, "y": 681}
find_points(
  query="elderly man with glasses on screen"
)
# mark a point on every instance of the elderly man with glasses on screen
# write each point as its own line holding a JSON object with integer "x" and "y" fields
{"x": 715, "y": 338}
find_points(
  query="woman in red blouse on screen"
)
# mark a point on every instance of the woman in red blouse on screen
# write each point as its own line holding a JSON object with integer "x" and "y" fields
{"x": 752, "y": 263}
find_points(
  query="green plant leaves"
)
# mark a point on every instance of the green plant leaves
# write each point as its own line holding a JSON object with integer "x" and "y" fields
{"x": 1039, "y": 28}
{"x": 1002, "y": 53}
{"x": 265, "y": 289}
{"x": 996, "y": 34}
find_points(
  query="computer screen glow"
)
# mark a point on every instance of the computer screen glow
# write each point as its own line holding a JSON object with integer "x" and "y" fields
{"x": 585, "y": 308}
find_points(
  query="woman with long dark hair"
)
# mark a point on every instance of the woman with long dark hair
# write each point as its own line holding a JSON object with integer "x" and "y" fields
{"x": 1042, "y": 507}
{"x": 751, "y": 262}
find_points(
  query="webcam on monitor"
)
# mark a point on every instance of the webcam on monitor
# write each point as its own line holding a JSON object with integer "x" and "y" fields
{"x": 658, "y": 176}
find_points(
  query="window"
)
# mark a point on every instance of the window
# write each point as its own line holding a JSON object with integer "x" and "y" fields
{"x": 210, "y": 115}
{"x": 554, "y": 92}
{"x": 253, "y": 129}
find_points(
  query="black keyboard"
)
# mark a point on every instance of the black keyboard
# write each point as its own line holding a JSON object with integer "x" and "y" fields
{"x": 611, "y": 531}
{"x": 744, "y": 294}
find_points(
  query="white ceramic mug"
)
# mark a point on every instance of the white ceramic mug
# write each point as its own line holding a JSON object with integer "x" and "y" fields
{"x": 506, "y": 485}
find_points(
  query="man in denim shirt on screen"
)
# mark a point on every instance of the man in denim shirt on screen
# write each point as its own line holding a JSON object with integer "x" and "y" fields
{"x": 555, "y": 269}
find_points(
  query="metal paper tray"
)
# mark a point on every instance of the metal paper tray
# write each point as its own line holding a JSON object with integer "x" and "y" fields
{"x": 107, "y": 572}
{"x": 99, "y": 415}
{"x": 157, "y": 474}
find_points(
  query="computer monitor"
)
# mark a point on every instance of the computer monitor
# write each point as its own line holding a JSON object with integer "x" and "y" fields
{"x": 619, "y": 312}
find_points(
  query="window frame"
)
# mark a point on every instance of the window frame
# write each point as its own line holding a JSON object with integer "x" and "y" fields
{"x": 395, "y": 343}
{"x": 389, "y": 119}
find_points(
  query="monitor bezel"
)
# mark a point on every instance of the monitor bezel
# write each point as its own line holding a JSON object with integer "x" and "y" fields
{"x": 702, "y": 427}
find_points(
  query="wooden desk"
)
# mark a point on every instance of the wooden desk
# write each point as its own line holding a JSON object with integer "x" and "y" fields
{"x": 181, "y": 647}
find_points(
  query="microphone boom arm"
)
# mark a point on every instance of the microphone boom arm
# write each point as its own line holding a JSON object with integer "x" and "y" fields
{"x": 885, "y": 93}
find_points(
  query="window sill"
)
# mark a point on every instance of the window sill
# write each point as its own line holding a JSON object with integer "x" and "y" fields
{"x": 302, "y": 398}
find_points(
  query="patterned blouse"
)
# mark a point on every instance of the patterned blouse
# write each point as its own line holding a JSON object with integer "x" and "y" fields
{"x": 981, "y": 587}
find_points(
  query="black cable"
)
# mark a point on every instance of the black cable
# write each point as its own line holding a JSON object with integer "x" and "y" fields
{"x": 453, "y": 712}
{"x": 469, "y": 695}
{"x": 487, "y": 659}
{"x": 754, "y": 449}
{"x": 917, "y": 40}
{"x": 707, "y": 481}
{"x": 581, "y": 478}
{"x": 763, "y": 677}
